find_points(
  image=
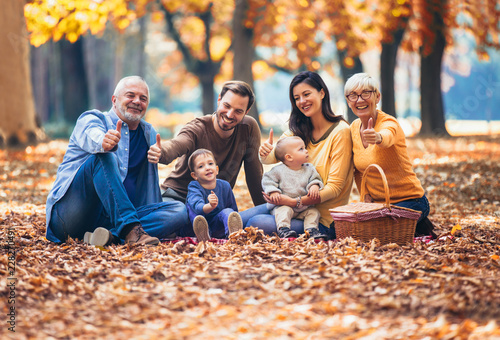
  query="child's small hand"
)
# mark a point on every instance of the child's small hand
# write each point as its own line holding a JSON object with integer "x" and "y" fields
{"x": 213, "y": 200}
{"x": 275, "y": 198}
{"x": 368, "y": 199}
{"x": 313, "y": 192}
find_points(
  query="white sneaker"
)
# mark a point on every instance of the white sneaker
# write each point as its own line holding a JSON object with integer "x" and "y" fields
{"x": 234, "y": 222}
{"x": 100, "y": 237}
{"x": 200, "y": 228}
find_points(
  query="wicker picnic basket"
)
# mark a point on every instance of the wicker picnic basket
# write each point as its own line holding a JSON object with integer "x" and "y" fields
{"x": 366, "y": 221}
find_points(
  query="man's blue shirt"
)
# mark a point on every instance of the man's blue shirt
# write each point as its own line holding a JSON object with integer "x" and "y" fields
{"x": 85, "y": 141}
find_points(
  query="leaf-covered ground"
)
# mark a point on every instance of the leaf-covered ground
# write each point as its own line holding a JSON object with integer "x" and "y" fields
{"x": 255, "y": 286}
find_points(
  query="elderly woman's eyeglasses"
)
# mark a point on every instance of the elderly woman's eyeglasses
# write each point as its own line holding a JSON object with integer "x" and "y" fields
{"x": 353, "y": 97}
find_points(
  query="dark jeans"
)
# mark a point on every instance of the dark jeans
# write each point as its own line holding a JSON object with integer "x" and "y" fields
{"x": 420, "y": 204}
{"x": 97, "y": 198}
{"x": 217, "y": 224}
{"x": 424, "y": 225}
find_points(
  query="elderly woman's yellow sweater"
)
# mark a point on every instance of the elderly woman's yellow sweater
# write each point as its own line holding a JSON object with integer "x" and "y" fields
{"x": 392, "y": 156}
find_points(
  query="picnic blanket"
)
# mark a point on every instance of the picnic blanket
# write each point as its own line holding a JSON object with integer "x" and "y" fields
{"x": 194, "y": 240}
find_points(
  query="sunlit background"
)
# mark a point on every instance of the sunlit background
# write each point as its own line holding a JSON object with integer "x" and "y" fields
{"x": 167, "y": 44}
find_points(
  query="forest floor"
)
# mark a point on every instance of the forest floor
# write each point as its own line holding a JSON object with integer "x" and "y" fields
{"x": 255, "y": 286}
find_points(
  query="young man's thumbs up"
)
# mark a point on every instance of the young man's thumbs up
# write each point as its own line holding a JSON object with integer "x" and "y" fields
{"x": 154, "y": 152}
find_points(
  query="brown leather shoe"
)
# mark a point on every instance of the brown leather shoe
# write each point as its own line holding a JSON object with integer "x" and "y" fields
{"x": 138, "y": 236}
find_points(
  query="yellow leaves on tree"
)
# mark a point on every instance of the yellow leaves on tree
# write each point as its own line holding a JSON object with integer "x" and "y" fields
{"x": 193, "y": 31}
{"x": 261, "y": 70}
{"x": 283, "y": 26}
{"x": 174, "y": 74}
{"x": 203, "y": 26}
{"x": 303, "y": 26}
{"x": 293, "y": 31}
{"x": 480, "y": 18}
{"x": 219, "y": 45}
{"x": 359, "y": 26}
{"x": 197, "y": 6}
{"x": 71, "y": 19}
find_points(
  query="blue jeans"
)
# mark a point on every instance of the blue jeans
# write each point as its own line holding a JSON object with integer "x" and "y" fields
{"x": 420, "y": 204}
{"x": 97, "y": 198}
{"x": 260, "y": 217}
{"x": 217, "y": 225}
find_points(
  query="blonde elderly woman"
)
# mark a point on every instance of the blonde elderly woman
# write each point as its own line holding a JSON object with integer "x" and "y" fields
{"x": 378, "y": 138}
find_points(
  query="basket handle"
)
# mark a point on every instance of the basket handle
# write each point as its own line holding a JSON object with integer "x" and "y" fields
{"x": 384, "y": 180}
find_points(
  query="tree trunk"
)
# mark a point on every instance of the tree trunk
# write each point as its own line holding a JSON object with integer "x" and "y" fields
{"x": 244, "y": 50}
{"x": 387, "y": 68}
{"x": 141, "y": 54}
{"x": 348, "y": 72}
{"x": 40, "y": 67}
{"x": 19, "y": 125}
{"x": 99, "y": 56}
{"x": 74, "y": 80}
{"x": 207, "y": 91}
{"x": 205, "y": 70}
{"x": 432, "y": 111}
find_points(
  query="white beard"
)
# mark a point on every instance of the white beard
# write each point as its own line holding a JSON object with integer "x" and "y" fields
{"x": 131, "y": 117}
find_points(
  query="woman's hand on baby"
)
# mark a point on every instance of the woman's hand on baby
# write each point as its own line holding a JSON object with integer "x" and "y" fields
{"x": 284, "y": 200}
{"x": 275, "y": 198}
{"x": 313, "y": 192}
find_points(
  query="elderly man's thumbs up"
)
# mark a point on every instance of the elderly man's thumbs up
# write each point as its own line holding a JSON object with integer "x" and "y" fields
{"x": 112, "y": 137}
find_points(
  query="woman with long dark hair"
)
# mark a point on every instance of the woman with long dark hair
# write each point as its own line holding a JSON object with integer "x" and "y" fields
{"x": 328, "y": 141}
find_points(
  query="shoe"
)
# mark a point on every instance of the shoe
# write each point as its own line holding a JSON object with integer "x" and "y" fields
{"x": 200, "y": 228}
{"x": 234, "y": 222}
{"x": 286, "y": 232}
{"x": 138, "y": 236}
{"x": 316, "y": 234}
{"x": 100, "y": 237}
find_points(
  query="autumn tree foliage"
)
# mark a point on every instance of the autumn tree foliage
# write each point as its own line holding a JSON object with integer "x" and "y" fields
{"x": 244, "y": 50}
{"x": 391, "y": 19}
{"x": 431, "y": 31}
{"x": 70, "y": 19}
{"x": 200, "y": 29}
{"x": 421, "y": 26}
{"x": 293, "y": 31}
{"x": 203, "y": 36}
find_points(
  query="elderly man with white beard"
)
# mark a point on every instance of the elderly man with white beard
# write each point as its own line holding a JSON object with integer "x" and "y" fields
{"x": 107, "y": 187}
